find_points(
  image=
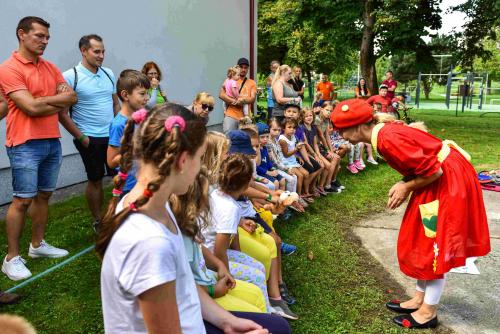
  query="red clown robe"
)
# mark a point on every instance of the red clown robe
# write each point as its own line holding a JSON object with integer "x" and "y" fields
{"x": 445, "y": 222}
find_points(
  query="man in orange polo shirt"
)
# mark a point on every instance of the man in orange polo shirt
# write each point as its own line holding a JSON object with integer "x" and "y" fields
{"x": 326, "y": 88}
{"x": 36, "y": 92}
{"x": 248, "y": 93}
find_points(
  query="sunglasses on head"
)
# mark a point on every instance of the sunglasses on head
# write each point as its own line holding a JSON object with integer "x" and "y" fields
{"x": 205, "y": 106}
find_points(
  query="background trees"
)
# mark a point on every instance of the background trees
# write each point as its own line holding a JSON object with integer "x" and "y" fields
{"x": 334, "y": 36}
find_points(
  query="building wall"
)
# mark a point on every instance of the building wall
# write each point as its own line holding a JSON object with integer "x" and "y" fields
{"x": 193, "y": 41}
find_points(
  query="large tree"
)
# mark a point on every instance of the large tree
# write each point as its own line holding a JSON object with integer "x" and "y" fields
{"x": 375, "y": 28}
{"x": 482, "y": 23}
{"x": 395, "y": 28}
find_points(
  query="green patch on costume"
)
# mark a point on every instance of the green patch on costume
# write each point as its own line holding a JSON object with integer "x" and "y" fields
{"x": 429, "y": 214}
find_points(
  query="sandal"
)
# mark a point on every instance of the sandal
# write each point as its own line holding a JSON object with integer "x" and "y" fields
{"x": 295, "y": 206}
{"x": 308, "y": 199}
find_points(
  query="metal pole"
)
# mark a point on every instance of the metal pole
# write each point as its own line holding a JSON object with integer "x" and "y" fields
{"x": 481, "y": 92}
{"x": 448, "y": 88}
{"x": 417, "y": 91}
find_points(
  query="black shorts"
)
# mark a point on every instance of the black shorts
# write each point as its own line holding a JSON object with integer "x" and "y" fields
{"x": 313, "y": 167}
{"x": 273, "y": 178}
{"x": 94, "y": 158}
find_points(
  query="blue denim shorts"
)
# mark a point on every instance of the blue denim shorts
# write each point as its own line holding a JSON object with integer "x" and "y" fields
{"x": 35, "y": 166}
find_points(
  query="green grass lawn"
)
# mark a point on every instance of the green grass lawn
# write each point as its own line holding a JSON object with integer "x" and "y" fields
{"x": 341, "y": 290}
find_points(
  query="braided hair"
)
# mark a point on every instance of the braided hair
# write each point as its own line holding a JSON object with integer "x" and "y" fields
{"x": 151, "y": 143}
{"x": 191, "y": 210}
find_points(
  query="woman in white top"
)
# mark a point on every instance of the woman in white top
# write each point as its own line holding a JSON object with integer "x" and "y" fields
{"x": 146, "y": 283}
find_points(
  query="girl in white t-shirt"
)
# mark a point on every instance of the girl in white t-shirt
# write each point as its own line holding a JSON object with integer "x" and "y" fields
{"x": 146, "y": 282}
{"x": 222, "y": 236}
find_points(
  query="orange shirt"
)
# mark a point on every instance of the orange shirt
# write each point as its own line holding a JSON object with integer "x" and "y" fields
{"x": 41, "y": 79}
{"x": 236, "y": 112}
{"x": 326, "y": 88}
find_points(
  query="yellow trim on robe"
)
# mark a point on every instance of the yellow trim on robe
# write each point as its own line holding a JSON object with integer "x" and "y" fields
{"x": 375, "y": 132}
{"x": 445, "y": 150}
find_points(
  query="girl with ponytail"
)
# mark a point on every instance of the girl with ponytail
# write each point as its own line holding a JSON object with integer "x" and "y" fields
{"x": 146, "y": 283}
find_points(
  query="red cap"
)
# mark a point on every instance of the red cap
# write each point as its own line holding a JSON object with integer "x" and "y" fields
{"x": 350, "y": 113}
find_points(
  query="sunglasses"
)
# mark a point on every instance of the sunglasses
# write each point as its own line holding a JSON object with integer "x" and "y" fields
{"x": 205, "y": 106}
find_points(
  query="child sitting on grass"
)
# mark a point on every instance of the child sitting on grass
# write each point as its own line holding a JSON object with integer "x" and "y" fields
{"x": 222, "y": 236}
{"x": 290, "y": 147}
{"x": 266, "y": 167}
{"x": 313, "y": 147}
{"x": 310, "y": 164}
{"x": 192, "y": 212}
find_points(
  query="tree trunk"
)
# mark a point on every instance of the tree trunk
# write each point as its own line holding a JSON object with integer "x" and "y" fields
{"x": 427, "y": 85}
{"x": 367, "y": 57}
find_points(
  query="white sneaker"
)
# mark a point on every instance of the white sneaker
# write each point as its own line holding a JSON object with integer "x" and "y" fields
{"x": 15, "y": 268}
{"x": 362, "y": 163}
{"x": 372, "y": 161}
{"x": 46, "y": 250}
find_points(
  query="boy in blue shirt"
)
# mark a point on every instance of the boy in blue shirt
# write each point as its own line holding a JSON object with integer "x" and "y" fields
{"x": 266, "y": 168}
{"x": 132, "y": 89}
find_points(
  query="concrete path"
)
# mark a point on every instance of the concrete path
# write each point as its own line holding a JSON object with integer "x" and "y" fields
{"x": 470, "y": 303}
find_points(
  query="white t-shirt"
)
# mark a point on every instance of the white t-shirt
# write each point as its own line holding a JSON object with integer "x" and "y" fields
{"x": 143, "y": 254}
{"x": 225, "y": 217}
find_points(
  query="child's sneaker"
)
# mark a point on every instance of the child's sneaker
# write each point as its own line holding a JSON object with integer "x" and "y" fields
{"x": 372, "y": 161}
{"x": 357, "y": 164}
{"x": 337, "y": 184}
{"x": 352, "y": 168}
{"x": 285, "y": 295}
{"x": 287, "y": 249}
{"x": 280, "y": 308}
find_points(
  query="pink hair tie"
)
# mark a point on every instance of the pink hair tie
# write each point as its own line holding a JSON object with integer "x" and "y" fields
{"x": 139, "y": 116}
{"x": 117, "y": 192}
{"x": 133, "y": 207}
{"x": 122, "y": 176}
{"x": 173, "y": 121}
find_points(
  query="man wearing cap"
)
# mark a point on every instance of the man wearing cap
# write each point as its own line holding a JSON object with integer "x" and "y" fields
{"x": 248, "y": 92}
{"x": 441, "y": 226}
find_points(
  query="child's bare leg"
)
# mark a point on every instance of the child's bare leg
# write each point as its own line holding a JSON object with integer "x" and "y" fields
{"x": 300, "y": 178}
{"x": 282, "y": 184}
{"x": 369, "y": 151}
{"x": 312, "y": 179}
{"x": 273, "y": 288}
{"x": 330, "y": 169}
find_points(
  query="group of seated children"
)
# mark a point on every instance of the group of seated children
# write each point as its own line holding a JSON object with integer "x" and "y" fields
{"x": 340, "y": 146}
{"x": 188, "y": 241}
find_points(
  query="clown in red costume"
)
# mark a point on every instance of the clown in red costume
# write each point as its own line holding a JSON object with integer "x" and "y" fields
{"x": 445, "y": 220}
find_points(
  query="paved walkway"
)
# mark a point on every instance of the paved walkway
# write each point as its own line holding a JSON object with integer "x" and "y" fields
{"x": 470, "y": 303}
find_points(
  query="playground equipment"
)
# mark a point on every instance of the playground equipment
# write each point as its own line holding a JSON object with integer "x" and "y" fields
{"x": 464, "y": 87}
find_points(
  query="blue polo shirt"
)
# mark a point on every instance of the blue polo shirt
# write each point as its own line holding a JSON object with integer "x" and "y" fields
{"x": 115, "y": 137}
{"x": 93, "y": 112}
